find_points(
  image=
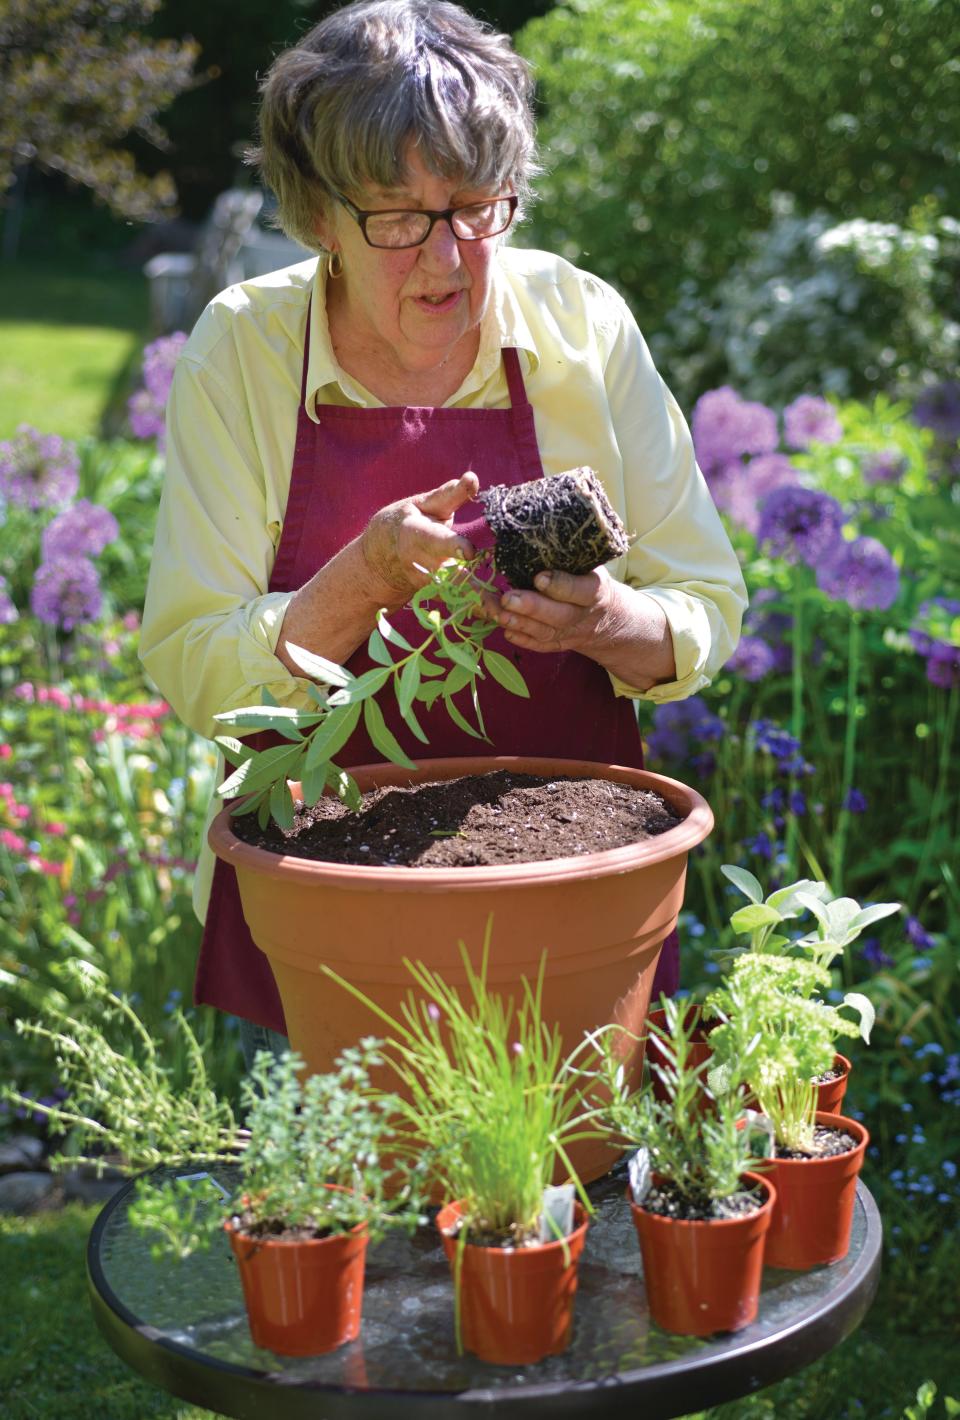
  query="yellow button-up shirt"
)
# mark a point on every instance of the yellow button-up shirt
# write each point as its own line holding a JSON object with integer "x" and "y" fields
{"x": 210, "y": 627}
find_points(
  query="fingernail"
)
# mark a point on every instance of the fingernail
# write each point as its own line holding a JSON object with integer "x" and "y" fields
{"x": 510, "y": 601}
{"x": 542, "y": 581}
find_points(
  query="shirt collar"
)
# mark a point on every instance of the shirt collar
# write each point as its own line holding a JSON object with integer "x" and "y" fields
{"x": 504, "y": 325}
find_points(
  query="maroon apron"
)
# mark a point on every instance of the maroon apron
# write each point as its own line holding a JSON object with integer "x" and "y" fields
{"x": 346, "y": 467}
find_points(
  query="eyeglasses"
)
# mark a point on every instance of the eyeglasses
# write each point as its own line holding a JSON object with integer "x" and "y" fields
{"x": 396, "y": 230}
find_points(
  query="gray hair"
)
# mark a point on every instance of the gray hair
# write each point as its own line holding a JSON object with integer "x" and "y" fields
{"x": 339, "y": 109}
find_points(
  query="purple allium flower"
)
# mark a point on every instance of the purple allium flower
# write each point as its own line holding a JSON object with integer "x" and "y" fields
{"x": 66, "y": 592}
{"x": 855, "y": 802}
{"x": 870, "y": 951}
{"x": 744, "y": 491}
{"x": 724, "y": 426}
{"x": 81, "y": 531}
{"x": 681, "y": 728}
{"x": 938, "y": 408}
{"x": 146, "y": 407}
{"x": 943, "y": 665}
{"x": 800, "y": 524}
{"x": 810, "y": 420}
{"x": 917, "y": 936}
{"x": 884, "y": 466}
{"x": 753, "y": 658}
{"x": 8, "y": 612}
{"x": 38, "y": 470}
{"x": 862, "y": 573}
{"x": 928, "y": 613}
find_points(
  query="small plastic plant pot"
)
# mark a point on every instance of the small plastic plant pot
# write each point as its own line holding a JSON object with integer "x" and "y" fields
{"x": 830, "y": 1093}
{"x": 515, "y": 1305}
{"x": 302, "y": 1297}
{"x": 815, "y": 1197}
{"x": 699, "y": 1049}
{"x": 704, "y": 1276}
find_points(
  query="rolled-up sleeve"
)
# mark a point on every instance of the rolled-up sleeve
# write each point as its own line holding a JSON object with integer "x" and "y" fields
{"x": 681, "y": 555}
{"x": 210, "y": 626}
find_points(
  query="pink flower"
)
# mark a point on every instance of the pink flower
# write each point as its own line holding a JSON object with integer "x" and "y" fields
{"x": 12, "y": 841}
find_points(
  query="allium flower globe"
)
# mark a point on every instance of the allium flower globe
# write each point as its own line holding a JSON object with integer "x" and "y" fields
{"x": 83, "y": 530}
{"x": 38, "y": 470}
{"x": 810, "y": 420}
{"x": 753, "y": 659}
{"x": 884, "y": 466}
{"x": 938, "y": 408}
{"x": 800, "y": 524}
{"x": 66, "y": 592}
{"x": 725, "y": 426}
{"x": 861, "y": 573}
{"x": 146, "y": 408}
{"x": 744, "y": 492}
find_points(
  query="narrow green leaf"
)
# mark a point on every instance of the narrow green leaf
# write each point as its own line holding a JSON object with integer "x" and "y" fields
{"x": 504, "y": 671}
{"x": 377, "y": 650}
{"x": 390, "y": 633}
{"x": 462, "y": 653}
{"x": 313, "y": 781}
{"x": 282, "y": 718}
{"x": 281, "y": 804}
{"x": 407, "y": 685}
{"x": 332, "y": 735}
{"x": 429, "y": 693}
{"x": 318, "y": 667}
{"x": 427, "y": 668}
{"x": 261, "y": 771}
{"x": 459, "y": 677}
{"x": 459, "y": 719}
{"x": 234, "y": 750}
{"x": 365, "y": 685}
{"x": 344, "y": 786}
{"x": 381, "y": 735}
{"x": 413, "y": 724}
{"x": 864, "y": 1007}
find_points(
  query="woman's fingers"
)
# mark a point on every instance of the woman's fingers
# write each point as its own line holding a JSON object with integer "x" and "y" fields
{"x": 444, "y": 501}
{"x": 416, "y": 531}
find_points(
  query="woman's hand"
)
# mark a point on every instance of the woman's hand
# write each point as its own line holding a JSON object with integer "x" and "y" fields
{"x": 621, "y": 628}
{"x": 416, "y": 530}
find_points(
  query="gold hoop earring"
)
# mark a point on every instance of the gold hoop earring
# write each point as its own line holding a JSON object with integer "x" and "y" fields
{"x": 335, "y": 265}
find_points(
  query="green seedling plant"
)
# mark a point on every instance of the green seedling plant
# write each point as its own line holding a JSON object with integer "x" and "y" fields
{"x": 777, "y": 1033}
{"x": 490, "y": 1093}
{"x": 451, "y": 658}
{"x": 698, "y": 1154}
{"x": 309, "y": 1154}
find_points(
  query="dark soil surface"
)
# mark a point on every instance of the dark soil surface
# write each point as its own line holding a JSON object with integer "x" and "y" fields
{"x": 476, "y": 821}
{"x": 666, "y": 1202}
{"x": 826, "y": 1143}
{"x": 275, "y": 1229}
{"x": 829, "y": 1076}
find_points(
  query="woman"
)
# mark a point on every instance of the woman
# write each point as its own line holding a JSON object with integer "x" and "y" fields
{"x": 330, "y": 424}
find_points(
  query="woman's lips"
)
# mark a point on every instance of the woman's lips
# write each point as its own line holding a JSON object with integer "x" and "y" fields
{"x": 439, "y": 304}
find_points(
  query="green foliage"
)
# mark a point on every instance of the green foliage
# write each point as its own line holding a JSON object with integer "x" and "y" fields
{"x": 490, "y": 1093}
{"x": 455, "y": 636}
{"x": 846, "y": 309}
{"x": 667, "y": 128}
{"x": 77, "y": 81}
{"x": 310, "y": 1156}
{"x": 701, "y": 1154}
{"x": 926, "y": 1396}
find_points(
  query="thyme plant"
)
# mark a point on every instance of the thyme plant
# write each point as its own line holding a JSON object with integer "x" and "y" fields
{"x": 311, "y": 1155}
{"x": 699, "y": 1154}
{"x": 451, "y": 658}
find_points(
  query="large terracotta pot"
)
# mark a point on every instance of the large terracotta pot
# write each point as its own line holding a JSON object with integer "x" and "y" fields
{"x": 703, "y": 1277}
{"x": 602, "y": 919}
{"x": 515, "y": 1304}
{"x": 813, "y": 1214}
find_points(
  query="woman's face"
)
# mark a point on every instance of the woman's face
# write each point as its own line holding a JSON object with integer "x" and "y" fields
{"x": 414, "y": 307}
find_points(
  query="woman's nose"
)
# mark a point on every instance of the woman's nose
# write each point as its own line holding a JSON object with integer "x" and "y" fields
{"x": 441, "y": 250}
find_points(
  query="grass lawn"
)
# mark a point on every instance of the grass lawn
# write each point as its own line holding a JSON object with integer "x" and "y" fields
{"x": 69, "y": 342}
{"x": 54, "y": 1364}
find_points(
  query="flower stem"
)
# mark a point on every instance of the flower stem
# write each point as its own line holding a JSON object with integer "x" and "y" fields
{"x": 849, "y": 754}
{"x": 949, "y": 725}
{"x": 796, "y": 720}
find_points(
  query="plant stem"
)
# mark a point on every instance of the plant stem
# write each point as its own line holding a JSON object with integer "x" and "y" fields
{"x": 796, "y": 720}
{"x": 949, "y": 725}
{"x": 849, "y": 753}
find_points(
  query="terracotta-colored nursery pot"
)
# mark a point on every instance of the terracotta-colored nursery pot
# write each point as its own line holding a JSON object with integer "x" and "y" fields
{"x": 302, "y": 1297}
{"x": 703, "y": 1277}
{"x": 601, "y": 917}
{"x": 699, "y": 1048}
{"x": 815, "y": 1197}
{"x": 831, "y": 1092}
{"x": 516, "y": 1304}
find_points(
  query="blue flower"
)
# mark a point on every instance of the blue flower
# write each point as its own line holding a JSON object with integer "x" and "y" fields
{"x": 917, "y": 936}
{"x": 855, "y": 802}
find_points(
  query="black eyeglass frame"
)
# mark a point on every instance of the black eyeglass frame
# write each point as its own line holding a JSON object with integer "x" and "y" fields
{"x": 361, "y": 218}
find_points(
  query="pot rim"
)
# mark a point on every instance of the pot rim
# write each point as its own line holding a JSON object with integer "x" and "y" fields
{"x": 755, "y": 1178}
{"x": 697, "y": 824}
{"x": 581, "y": 1223}
{"x": 832, "y": 1121}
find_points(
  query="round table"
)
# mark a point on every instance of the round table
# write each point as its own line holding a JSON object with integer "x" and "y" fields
{"x": 183, "y": 1327}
